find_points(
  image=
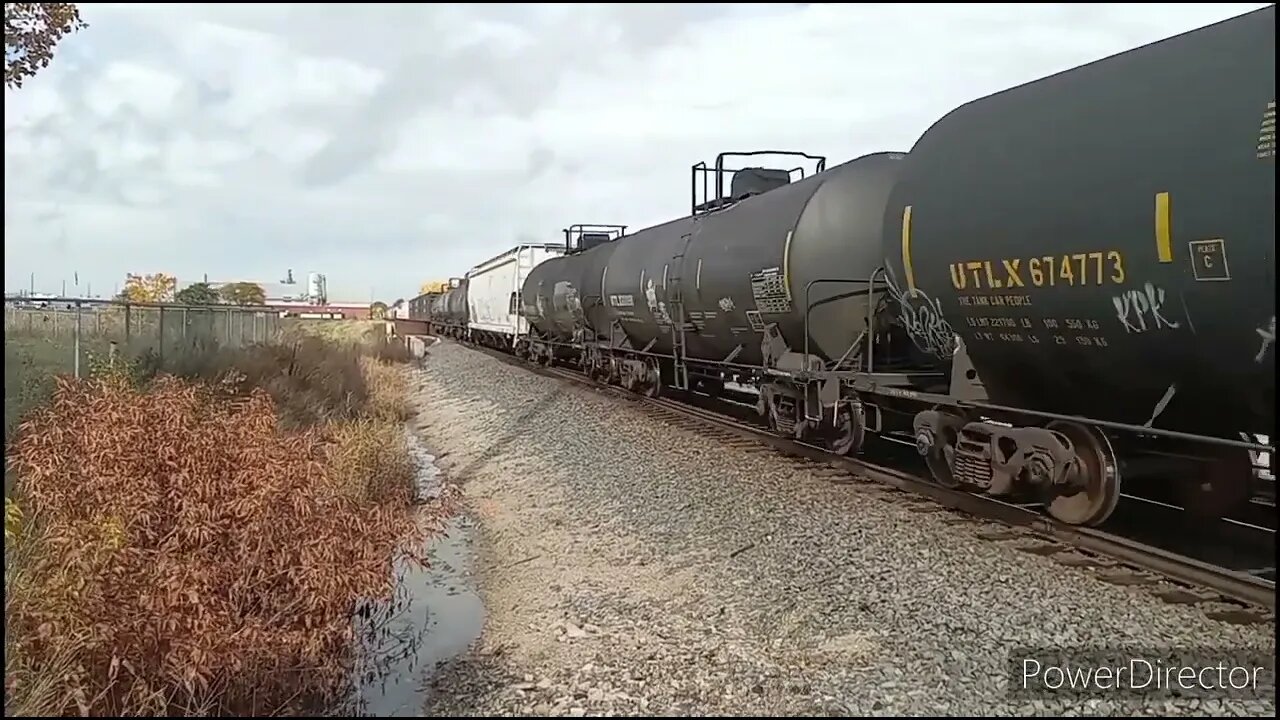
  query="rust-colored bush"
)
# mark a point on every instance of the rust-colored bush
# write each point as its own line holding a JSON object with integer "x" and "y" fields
{"x": 196, "y": 554}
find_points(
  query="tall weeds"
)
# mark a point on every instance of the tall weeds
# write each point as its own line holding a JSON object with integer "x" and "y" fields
{"x": 200, "y": 545}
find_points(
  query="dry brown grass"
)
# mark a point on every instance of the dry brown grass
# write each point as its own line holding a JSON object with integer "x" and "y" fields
{"x": 181, "y": 550}
{"x": 312, "y": 379}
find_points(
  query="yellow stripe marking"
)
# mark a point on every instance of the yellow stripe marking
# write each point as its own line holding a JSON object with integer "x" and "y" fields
{"x": 906, "y": 248}
{"x": 1164, "y": 228}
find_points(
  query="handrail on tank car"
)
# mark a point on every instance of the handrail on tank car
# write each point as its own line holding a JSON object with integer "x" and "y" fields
{"x": 578, "y": 230}
{"x": 821, "y": 165}
{"x": 871, "y": 308}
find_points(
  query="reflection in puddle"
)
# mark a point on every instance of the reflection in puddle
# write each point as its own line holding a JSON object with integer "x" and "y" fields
{"x": 434, "y": 615}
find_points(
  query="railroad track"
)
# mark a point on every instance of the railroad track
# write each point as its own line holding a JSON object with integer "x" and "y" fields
{"x": 1225, "y": 594}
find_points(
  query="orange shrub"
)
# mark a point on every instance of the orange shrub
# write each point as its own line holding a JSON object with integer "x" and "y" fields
{"x": 194, "y": 553}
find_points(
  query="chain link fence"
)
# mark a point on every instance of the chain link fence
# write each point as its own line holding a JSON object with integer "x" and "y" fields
{"x": 79, "y": 327}
{"x": 62, "y": 336}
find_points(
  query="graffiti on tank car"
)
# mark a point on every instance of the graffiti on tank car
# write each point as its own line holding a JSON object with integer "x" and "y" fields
{"x": 564, "y": 298}
{"x": 1268, "y": 334}
{"x": 574, "y": 302}
{"x": 1142, "y": 310}
{"x": 922, "y": 318}
{"x": 656, "y": 306}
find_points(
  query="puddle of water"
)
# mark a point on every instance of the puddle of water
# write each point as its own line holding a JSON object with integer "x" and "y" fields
{"x": 433, "y": 616}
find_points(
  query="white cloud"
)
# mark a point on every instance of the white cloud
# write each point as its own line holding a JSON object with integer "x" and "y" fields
{"x": 390, "y": 144}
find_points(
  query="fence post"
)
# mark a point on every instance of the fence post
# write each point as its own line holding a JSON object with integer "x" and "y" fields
{"x": 76, "y": 343}
{"x": 160, "y": 333}
{"x": 128, "y": 319}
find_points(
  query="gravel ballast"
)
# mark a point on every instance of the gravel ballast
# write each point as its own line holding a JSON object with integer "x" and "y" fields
{"x": 633, "y": 568}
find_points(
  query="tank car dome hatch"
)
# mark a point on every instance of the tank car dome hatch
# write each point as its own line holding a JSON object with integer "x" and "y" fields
{"x": 756, "y": 180}
{"x": 581, "y": 237}
{"x": 592, "y": 239}
{"x": 745, "y": 182}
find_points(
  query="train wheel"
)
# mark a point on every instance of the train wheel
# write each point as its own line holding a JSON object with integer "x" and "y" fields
{"x": 1100, "y": 474}
{"x": 939, "y": 463}
{"x": 849, "y": 431}
{"x": 942, "y": 450}
{"x": 1222, "y": 484}
{"x": 653, "y": 379}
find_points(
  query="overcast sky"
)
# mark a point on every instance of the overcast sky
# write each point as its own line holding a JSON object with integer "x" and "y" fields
{"x": 385, "y": 145}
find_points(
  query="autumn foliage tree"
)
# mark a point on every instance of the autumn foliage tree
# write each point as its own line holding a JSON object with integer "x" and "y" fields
{"x": 243, "y": 293}
{"x": 31, "y": 32}
{"x": 154, "y": 288}
{"x": 433, "y": 286}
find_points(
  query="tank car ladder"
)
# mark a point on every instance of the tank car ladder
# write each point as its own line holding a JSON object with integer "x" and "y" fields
{"x": 681, "y": 369}
{"x": 675, "y": 296}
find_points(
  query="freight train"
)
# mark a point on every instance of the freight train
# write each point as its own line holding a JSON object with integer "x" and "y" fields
{"x": 1061, "y": 289}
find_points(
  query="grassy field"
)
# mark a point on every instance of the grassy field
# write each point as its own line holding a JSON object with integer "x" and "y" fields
{"x": 194, "y": 533}
{"x": 30, "y": 363}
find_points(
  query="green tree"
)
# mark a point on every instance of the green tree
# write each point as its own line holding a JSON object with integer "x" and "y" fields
{"x": 378, "y": 310}
{"x": 31, "y": 32}
{"x": 243, "y": 293}
{"x": 197, "y": 294}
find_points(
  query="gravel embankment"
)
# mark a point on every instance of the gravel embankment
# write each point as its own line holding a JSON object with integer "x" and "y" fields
{"x": 629, "y": 568}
